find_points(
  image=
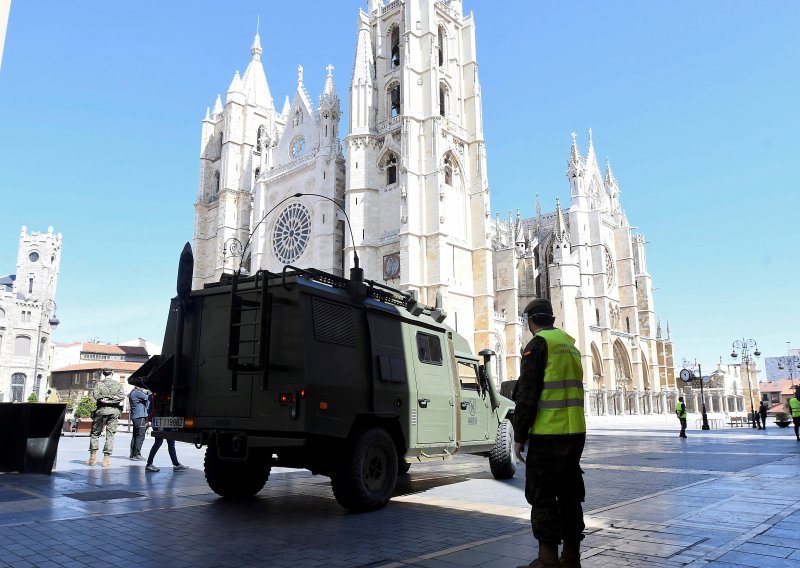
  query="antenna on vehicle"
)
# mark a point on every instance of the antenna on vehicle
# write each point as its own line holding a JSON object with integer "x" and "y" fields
{"x": 356, "y": 273}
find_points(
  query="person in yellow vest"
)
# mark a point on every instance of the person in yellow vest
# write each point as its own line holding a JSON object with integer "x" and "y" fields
{"x": 794, "y": 406}
{"x": 680, "y": 411}
{"x": 549, "y": 417}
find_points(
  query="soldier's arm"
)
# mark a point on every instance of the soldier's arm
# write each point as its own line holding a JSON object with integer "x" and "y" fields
{"x": 531, "y": 384}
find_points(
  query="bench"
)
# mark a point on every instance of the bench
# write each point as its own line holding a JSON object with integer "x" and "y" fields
{"x": 737, "y": 421}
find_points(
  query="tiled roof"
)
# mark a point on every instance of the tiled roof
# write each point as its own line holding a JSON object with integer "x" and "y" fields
{"x": 107, "y": 349}
{"x": 783, "y": 386}
{"x": 118, "y": 366}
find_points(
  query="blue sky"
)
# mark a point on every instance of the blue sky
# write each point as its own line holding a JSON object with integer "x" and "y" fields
{"x": 695, "y": 104}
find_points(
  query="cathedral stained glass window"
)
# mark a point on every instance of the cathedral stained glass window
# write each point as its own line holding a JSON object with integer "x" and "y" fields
{"x": 291, "y": 233}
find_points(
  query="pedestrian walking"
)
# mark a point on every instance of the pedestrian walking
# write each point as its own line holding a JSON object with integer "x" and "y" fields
{"x": 794, "y": 406}
{"x": 549, "y": 417}
{"x": 680, "y": 411}
{"x": 757, "y": 420}
{"x": 173, "y": 455}
{"x": 139, "y": 400}
{"x": 109, "y": 394}
{"x": 762, "y": 411}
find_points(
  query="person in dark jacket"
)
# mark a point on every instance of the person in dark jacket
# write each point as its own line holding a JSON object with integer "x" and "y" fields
{"x": 762, "y": 410}
{"x": 549, "y": 416}
{"x": 139, "y": 400}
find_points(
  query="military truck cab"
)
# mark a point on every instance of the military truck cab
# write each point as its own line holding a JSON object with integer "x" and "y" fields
{"x": 347, "y": 378}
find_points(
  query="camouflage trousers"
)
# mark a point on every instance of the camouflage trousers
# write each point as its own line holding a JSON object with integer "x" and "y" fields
{"x": 109, "y": 422}
{"x": 554, "y": 487}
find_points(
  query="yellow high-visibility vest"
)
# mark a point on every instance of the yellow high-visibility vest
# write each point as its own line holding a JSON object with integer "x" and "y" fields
{"x": 794, "y": 404}
{"x": 560, "y": 409}
{"x": 681, "y": 412}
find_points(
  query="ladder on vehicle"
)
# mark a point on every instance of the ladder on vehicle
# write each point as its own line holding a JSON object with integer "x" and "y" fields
{"x": 250, "y": 322}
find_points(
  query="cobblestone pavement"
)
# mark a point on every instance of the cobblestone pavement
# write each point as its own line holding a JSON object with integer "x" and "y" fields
{"x": 720, "y": 498}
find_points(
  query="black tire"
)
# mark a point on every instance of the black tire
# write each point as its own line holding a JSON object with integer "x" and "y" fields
{"x": 367, "y": 472}
{"x": 501, "y": 458}
{"x": 235, "y": 479}
{"x": 402, "y": 466}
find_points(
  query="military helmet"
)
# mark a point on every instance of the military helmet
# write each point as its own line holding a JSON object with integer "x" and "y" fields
{"x": 107, "y": 371}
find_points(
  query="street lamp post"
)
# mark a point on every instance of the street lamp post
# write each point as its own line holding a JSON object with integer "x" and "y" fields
{"x": 790, "y": 363}
{"x": 48, "y": 313}
{"x": 744, "y": 346}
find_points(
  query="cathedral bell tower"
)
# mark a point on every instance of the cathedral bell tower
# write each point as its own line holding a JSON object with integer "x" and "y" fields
{"x": 416, "y": 190}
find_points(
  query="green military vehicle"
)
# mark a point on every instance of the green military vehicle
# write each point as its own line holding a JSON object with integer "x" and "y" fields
{"x": 344, "y": 377}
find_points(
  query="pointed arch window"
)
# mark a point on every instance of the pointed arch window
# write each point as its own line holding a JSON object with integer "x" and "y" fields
{"x": 260, "y": 137}
{"x": 255, "y": 177}
{"x": 442, "y": 38}
{"x": 390, "y": 165}
{"x": 395, "y": 47}
{"x": 18, "y": 386}
{"x": 216, "y": 183}
{"x": 298, "y": 118}
{"x": 448, "y": 170}
{"x": 628, "y": 324}
{"x": 394, "y": 99}
{"x": 444, "y": 97}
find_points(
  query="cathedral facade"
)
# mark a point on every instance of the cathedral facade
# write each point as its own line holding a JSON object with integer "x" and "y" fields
{"x": 412, "y": 201}
{"x": 587, "y": 260}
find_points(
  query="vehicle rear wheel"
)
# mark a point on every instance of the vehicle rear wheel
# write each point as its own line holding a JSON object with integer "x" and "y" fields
{"x": 235, "y": 479}
{"x": 501, "y": 458}
{"x": 366, "y": 475}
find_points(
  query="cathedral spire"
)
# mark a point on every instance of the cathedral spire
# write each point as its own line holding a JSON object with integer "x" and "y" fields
{"x": 217, "y": 106}
{"x": 236, "y": 84}
{"x": 575, "y": 161}
{"x": 287, "y": 107}
{"x": 254, "y": 81}
{"x": 609, "y": 179}
{"x": 560, "y": 229}
{"x": 330, "y": 88}
{"x": 363, "y": 68}
{"x": 591, "y": 157}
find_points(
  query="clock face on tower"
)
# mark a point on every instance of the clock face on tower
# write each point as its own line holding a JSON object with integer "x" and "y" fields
{"x": 298, "y": 148}
{"x": 391, "y": 266}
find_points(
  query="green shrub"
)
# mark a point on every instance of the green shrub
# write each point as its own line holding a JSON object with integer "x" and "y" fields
{"x": 33, "y": 397}
{"x": 85, "y": 407}
{"x": 781, "y": 417}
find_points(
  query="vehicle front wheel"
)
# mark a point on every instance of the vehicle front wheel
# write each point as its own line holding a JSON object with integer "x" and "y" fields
{"x": 235, "y": 479}
{"x": 501, "y": 458}
{"x": 367, "y": 472}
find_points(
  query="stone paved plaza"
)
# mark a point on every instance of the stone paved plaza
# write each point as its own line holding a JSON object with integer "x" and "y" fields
{"x": 721, "y": 498}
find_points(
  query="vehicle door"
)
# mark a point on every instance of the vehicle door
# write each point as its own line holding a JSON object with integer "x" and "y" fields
{"x": 434, "y": 405}
{"x": 474, "y": 407}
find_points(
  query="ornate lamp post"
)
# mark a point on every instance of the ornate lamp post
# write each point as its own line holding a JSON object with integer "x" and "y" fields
{"x": 687, "y": 374}
{"x": 744, "y": 346}
{"x": 48, "y": 313}
{"x": 791, "y": 363}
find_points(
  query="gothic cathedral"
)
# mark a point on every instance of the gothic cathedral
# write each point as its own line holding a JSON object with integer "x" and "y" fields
{"x": 274, "y": 190}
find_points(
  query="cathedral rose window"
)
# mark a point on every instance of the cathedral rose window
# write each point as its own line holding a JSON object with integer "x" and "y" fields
{"x": 291, "y": 233}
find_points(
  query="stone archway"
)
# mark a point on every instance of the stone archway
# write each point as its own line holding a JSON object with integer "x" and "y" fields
{"x": 597, "y": 368}
{"x": 645, "y": 372}
{"x": 623, "y": 376}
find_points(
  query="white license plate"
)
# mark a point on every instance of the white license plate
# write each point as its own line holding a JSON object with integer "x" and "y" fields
{"x": 167, "y": 422}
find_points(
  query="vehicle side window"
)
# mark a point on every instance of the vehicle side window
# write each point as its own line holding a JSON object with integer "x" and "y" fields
{"x": 429, "y": 349}
{"x": 468, "y": 375}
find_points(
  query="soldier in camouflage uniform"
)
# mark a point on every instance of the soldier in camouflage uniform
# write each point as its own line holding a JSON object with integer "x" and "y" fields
{"x": 109, "y": 394}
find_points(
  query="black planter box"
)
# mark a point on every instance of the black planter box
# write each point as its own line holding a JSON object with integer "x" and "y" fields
{"x": 29, "y": 435}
